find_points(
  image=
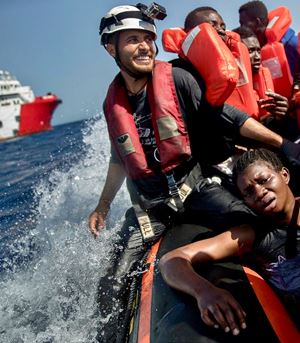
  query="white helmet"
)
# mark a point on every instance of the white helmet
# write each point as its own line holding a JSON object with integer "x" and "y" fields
{"x": 124, "y": 18}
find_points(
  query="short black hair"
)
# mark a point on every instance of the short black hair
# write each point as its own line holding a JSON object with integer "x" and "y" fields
{"x": 255, "y": 9}
{"x": 254, "y": 155}
{"x": 192, "y": 18}
{"x": 244, "y": 32}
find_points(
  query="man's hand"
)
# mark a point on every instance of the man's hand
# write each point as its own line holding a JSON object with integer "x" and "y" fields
{"x": 277, "y": 105}
{"x": 219, "y": 309}
{"x": 97, "y": 218}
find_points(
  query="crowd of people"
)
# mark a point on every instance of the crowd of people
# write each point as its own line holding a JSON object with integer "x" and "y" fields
{"x": 166, "y": 141}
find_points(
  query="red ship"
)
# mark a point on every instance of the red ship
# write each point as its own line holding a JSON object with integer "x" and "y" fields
{"x": 21, "y": 113}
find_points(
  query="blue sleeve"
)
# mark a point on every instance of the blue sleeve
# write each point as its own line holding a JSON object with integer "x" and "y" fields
{"x": 290, "y": 42}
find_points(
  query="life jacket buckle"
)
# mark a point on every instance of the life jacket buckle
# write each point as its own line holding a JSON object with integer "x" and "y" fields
{"x": 174, "y": 192}
{"x": 173, "y": 189}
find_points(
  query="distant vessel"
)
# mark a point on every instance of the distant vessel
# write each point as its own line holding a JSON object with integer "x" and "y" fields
{"x": 21, "y": 112}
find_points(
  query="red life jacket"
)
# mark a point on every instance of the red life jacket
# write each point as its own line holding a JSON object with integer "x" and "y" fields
{"x": 243, "y": 96}
{"x": 207, "y": 52}
{"x": 262, "y": 81}
{"x": 170, "y": 133}
{"x": 273, "y": 54}
{"x": 172, "y": 39}
{"x": 280, "y": 20}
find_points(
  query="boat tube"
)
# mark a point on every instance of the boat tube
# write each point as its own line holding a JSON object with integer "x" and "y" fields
{"x": 160, "y": 314}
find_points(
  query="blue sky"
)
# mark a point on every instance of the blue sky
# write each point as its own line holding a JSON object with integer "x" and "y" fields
{"x": 53, "y": 45}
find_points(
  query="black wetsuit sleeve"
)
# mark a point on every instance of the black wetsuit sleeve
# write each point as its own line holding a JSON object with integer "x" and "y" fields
{"x": 233, "y": 115}
{"x": 189, "y": 91}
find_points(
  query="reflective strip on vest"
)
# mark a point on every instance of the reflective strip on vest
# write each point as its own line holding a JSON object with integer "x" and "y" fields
{"x": 202, "y": 45}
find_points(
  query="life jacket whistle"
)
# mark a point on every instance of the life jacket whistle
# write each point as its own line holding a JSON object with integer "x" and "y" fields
{"x": 243, "y": 96}
{"x": 201, "y": 45}
{"x": 273, "y": 54}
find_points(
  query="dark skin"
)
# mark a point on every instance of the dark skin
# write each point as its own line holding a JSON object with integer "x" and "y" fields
{"x": 256, "y": 25}
{"x": 276, "y": 104}
{"x": 266, "y": 191}
{"x": 253, "y": 46}
{"x": 214, "y": 19}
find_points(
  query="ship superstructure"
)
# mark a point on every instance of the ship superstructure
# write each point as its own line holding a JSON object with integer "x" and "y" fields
{"x": 21, "y": 113}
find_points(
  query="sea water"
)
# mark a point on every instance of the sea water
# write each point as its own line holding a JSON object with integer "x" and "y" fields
{"x": 50, "y": 264}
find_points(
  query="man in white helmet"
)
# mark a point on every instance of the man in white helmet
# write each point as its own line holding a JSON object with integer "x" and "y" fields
{"x": 151, "y": 111}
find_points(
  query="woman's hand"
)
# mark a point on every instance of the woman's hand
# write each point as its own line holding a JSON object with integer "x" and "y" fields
{"x": 220, "y": 309}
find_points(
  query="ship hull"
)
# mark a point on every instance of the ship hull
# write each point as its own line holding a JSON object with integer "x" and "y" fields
{"x": 36, "y": 116}
{"x": 27, "y": 118}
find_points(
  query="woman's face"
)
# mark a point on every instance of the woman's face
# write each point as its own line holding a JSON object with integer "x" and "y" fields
{"x": 264, "y": 190}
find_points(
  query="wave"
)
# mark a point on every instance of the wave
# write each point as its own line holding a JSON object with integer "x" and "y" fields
{"x": 50, "y": 298}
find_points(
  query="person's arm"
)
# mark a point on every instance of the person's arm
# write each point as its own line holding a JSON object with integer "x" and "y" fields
{"x": 253, "y": 129}
{"x": 217, "y": 306}
{"x": 114, "y": 179}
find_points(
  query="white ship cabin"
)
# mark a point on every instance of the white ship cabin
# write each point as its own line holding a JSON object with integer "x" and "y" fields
{"x": 12, "y": 96}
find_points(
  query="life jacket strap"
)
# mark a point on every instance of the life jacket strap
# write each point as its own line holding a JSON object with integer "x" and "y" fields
{"x": 184, "y": 190}
{"x": 174, "y": 192}
{"x": 150, "y": 229}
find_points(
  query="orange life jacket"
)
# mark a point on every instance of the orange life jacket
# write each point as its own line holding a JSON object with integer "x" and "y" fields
{"x": 262, "y": 81}
{"x": 205, "y": 49}
{"x": 172, "y": 39}
{"x": 243, "y": 96}
{"x": 273, "y": 54}
{"x": 170, "y": 133}
{"x": 280, "y": 20}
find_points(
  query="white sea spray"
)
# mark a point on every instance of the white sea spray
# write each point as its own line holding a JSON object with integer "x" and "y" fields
{"x": 53, "y": 299}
